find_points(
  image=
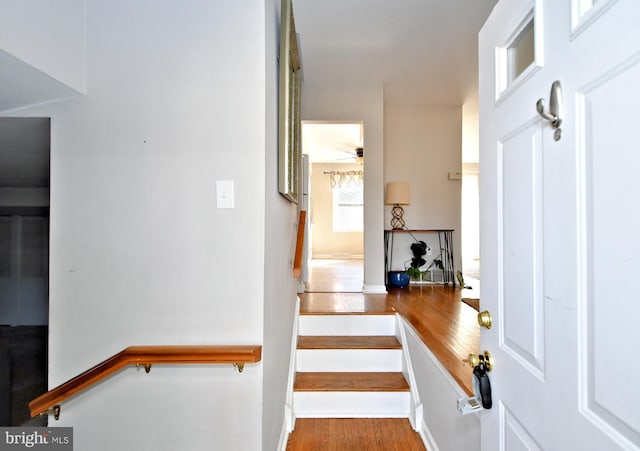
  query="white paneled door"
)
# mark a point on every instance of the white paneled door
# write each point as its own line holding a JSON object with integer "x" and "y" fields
{"x": 560, "y": 226}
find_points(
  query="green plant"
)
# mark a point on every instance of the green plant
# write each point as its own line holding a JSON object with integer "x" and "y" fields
{"x": 414, "y": 272}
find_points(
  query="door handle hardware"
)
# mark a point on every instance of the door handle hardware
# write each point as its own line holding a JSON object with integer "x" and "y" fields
{"x": 556, "y": 109}
{"x": 481, "y": 364}
{"x": 472, "y": 360}
{"x": 485, "y": 359}
{"x": 484, "y": 319}
{"x": 488, "y": 361}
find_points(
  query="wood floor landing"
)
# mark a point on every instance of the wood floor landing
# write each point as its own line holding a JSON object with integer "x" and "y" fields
{"x": 357, "y": 434}
{"x": 350, "y": 382}
{"x": 445, "y": 324}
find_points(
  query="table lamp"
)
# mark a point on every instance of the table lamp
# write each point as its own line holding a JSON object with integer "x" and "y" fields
{"x": 397, "y": 193}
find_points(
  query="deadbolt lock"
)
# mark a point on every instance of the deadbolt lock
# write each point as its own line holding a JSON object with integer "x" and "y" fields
{"x": 474, "y": 360}
{"x": 484, "y": 319}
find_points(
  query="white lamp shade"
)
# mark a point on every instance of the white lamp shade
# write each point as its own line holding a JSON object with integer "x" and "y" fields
{"x": 397, "y": 193}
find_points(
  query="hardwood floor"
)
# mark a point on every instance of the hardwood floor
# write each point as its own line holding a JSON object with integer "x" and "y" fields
{"x": 356, "y": 434}
{"x": 445, "y": 324}
{"x": 448, "y": 326}
{"x": 335, "y": 275}
{"x": 344, "y": 304}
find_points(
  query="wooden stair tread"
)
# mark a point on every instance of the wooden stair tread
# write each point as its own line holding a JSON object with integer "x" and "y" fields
{"x": 388, "y": 434}
{"x": 346, "y": 313}
{"x": 348, "y": 342}
{"x": 351, "y": 382}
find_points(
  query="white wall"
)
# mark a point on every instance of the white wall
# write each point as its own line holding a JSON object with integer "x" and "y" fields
{"x": 50, "y": 36}
{"x": 280, "y": 287}
{"x": 470, "y": 132}
{"x": 439, "y": 393}
{"x": 355, "y": 104}
{"x": 422, "y": 145}
{"x": 139, "y": 253}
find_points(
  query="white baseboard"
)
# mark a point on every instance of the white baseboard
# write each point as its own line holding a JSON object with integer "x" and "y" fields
{"x": 427, "y": 438}
{"x": 337, "y": 257}
{"x": 289, "y": 419}
{"x": 374, "y": 289}
{"x": 416, "y": 412}
{"x": 284, "y": 438}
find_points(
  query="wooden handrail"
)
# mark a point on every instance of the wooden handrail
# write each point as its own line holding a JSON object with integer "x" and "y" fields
{"x": 297, "y": 260}
{"x": 145, "y": 356}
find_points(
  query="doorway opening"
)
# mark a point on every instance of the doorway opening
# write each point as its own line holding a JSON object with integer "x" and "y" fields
{"x": 24, "y": 265}
{"x": 470, "y": 196}
{"x": 335, "y": 189}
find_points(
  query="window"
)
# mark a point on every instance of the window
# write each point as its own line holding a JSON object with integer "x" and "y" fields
{"x": 521, "y": 52}
{"x": 348, "y": 202}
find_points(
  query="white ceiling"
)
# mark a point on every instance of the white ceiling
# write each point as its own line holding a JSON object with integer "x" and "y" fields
{"x": 328, "y": 143}
{"x": 422, "y": 51}
{"x": 22, "y": 84}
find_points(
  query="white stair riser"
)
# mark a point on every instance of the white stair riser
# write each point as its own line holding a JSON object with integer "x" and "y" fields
{"x": 347, "y": 325}
{"x": 349, "y": 360}
{"x": 351, "y": 404}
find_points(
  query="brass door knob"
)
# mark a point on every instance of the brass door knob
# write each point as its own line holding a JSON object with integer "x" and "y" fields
{"x": 484, "y": 319}
{"x": 488, "y": 360}
{"x": 474, "y": 360}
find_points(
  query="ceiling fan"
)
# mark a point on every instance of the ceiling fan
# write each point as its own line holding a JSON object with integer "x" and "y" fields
{"x": 357, "y": 155}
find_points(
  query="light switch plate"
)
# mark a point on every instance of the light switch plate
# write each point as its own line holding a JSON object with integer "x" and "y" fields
{"x": 224, "y": 194}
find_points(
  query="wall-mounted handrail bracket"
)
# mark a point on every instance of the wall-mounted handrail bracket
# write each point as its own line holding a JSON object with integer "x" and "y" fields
{"x": 55, "y": 411}
{"x": 147, "y": 367}
{"x": 239, "y": 367}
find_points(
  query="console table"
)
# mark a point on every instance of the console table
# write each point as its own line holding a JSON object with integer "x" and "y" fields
{"x": 445, "y": 247}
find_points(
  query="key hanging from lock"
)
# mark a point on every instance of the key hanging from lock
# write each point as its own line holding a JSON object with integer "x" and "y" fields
{"x": 484, "y": 384}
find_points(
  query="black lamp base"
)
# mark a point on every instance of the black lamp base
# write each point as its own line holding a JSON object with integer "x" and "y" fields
{"x": 397, "y": 223}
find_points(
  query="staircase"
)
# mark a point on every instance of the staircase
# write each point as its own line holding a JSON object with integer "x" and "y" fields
{"x": 350, "y": 366}
{"x": 23, "y": 373}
